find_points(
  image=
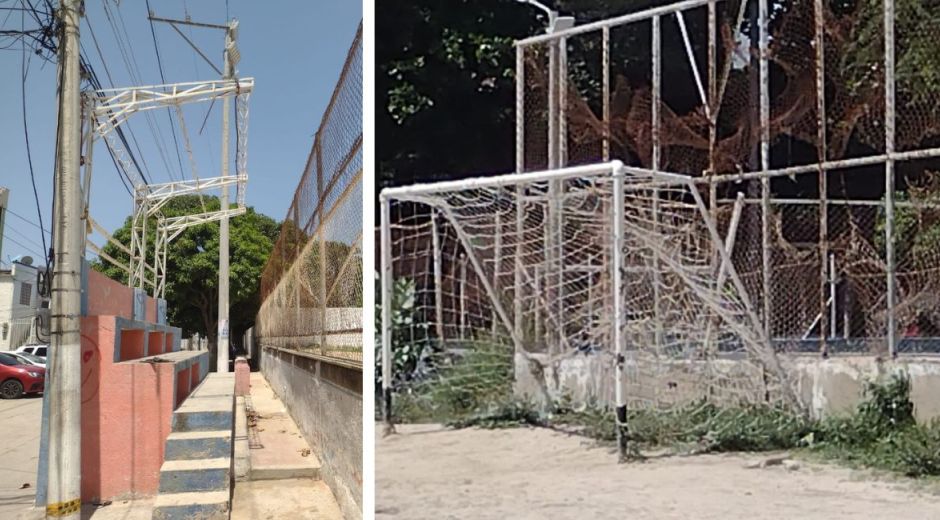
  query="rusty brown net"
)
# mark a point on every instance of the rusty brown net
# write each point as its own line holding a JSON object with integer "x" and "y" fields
{"x": 680, "y": 90}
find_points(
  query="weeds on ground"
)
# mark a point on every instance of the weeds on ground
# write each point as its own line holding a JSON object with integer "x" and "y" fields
{"x": 471, "y": 382}
{"x": 881, "y": 433}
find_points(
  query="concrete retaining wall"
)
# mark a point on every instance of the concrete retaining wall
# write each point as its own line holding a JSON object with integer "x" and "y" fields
{"x": 826, "y": 386}
{"x": 325, "y": 400}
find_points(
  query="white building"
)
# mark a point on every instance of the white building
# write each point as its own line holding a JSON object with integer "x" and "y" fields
{"x": 19, "y": 305}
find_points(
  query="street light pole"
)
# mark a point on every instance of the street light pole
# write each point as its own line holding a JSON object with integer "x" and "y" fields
{"x": 63, "y": 498}
{"x": 222, "y": 341}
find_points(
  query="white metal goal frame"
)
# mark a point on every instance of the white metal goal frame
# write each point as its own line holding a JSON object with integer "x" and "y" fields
{"x": 628, "y": 195}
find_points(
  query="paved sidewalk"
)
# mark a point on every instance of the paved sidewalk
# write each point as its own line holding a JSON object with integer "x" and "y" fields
{"x": 20, "y": 421}
{"x": 284, "y": 472}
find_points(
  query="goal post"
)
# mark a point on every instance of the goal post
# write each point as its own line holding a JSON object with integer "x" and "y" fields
{"x": 492, "y": 283}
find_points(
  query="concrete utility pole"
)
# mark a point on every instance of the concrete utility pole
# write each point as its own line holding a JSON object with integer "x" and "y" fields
{"x": 63, "y": 499}
{"x": 4, "y": 195}
{"x": 223, "y": 332}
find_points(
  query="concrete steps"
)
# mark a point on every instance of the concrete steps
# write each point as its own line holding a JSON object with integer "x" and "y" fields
{"x": 197, "y": 472}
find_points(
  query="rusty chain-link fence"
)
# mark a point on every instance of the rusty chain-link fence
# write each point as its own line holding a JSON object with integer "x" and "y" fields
{"x": 311, "y": 287}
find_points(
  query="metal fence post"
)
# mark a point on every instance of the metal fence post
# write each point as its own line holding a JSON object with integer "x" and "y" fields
{"x": 617, "y": 275}
{"x": 386, "y": 279}
{"x": 889, "y": 174}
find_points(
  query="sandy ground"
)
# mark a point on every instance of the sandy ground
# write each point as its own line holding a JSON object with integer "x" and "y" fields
{"x": 425, "y": 471}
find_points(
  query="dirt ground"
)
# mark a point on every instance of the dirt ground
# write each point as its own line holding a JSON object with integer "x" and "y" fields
{"x": 426, "y": 471}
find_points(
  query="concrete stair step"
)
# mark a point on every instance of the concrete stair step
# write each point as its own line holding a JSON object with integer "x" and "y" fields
{"x": 204, "y": 414}
{"x": 184, "y": 506}
{"x": 198, "y": 445}
{"x": 183, "y": 476}
{"x": 196, "y": 475}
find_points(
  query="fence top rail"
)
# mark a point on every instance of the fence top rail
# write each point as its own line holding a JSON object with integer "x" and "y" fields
{"x": 499, "y": 181}
{"x": 638, "y": 16}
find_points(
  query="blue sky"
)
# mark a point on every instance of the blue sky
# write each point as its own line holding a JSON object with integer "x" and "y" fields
{"x": 294, "y": 50}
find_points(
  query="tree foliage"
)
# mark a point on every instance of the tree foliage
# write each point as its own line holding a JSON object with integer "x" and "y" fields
{"x": 445, "y": 80}
{"x": 192, "y": 264}
{"x": 445, "y": 88}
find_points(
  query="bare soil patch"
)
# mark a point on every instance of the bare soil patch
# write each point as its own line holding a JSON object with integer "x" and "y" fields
{"x": 428, "y": 471}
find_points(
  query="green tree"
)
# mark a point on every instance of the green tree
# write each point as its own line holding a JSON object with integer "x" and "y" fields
{"x": 192, "y": 264}
{"x": 444, "y": 86}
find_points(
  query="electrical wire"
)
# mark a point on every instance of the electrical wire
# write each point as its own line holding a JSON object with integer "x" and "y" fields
{"x": 156, "y": 48}
{"x": 29, "y": 155}
{"x": 24, "y": 236}
{"x": 130, "y": 63}
{"x": 25, "y": 247}
{"x": 30, "y": 222}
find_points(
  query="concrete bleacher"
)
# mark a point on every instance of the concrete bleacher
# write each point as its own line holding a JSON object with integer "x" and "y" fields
{"x": 134, "y": 376}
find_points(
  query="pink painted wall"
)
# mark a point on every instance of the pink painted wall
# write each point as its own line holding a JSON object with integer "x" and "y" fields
{"x": 107, "y": 297}
{"x": 127, "y": 410}
{"x": 151, "y": 310}
{"x": 127, "y": 407}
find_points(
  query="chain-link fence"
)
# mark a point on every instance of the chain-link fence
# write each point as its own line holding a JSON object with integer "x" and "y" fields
{"x": 820, "y": 116}
{"x": 311, "y": 287}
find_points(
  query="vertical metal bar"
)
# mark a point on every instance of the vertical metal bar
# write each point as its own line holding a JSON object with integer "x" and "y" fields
{"x": 832, "y": 295}
{"x": 438, "y": 278}
{"x": 712, "y": 88}
{"x": 765, "y": 162}
{"x": 497, "y": 251}
{"x": 324, "y": 261}
{"x": 713, "y": 102}
{"x": 605, "y": 71}
{"x": 823, "y": 176}
{"x": 520, "y": 191}
{"x": 299, "y": 323}
{"x": 889, "y": 172}
{"x": 549, "y": 232}
{"x": 463, "y": 296}
{"x": 520, "y": 109}
{"x": 846, "y": 318}
{"x": 618, "y": 336}
{"x": 537, "y": 312}
{"x": 552, "y": 104}
{"x": 386, "y": 278}
{"x": 562, "y": 81}
{"x": 656, "y": 125}
{"x": 560, "y": 191}
{"x": 143, "y": 245}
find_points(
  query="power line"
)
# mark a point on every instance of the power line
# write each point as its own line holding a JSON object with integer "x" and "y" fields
{"x": 120, "y": 131}
{"x": 156, "y": 49}
{"x": 29, "y": 155}
{"x": 130, "y": 62}
{"x": 25, "y": 237}
{"x": 30, "y": 222}
{"x": 26, "y": 248}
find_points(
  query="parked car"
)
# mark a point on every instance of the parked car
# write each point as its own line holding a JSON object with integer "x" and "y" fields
{"x": 36, "y": 350}
{"x": 29, "y": 359}
{"x": 17, "y": 378}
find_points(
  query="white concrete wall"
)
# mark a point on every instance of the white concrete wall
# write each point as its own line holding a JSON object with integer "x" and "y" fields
{"x": 13, "y": 315}
{"x": 825, "y": 386}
